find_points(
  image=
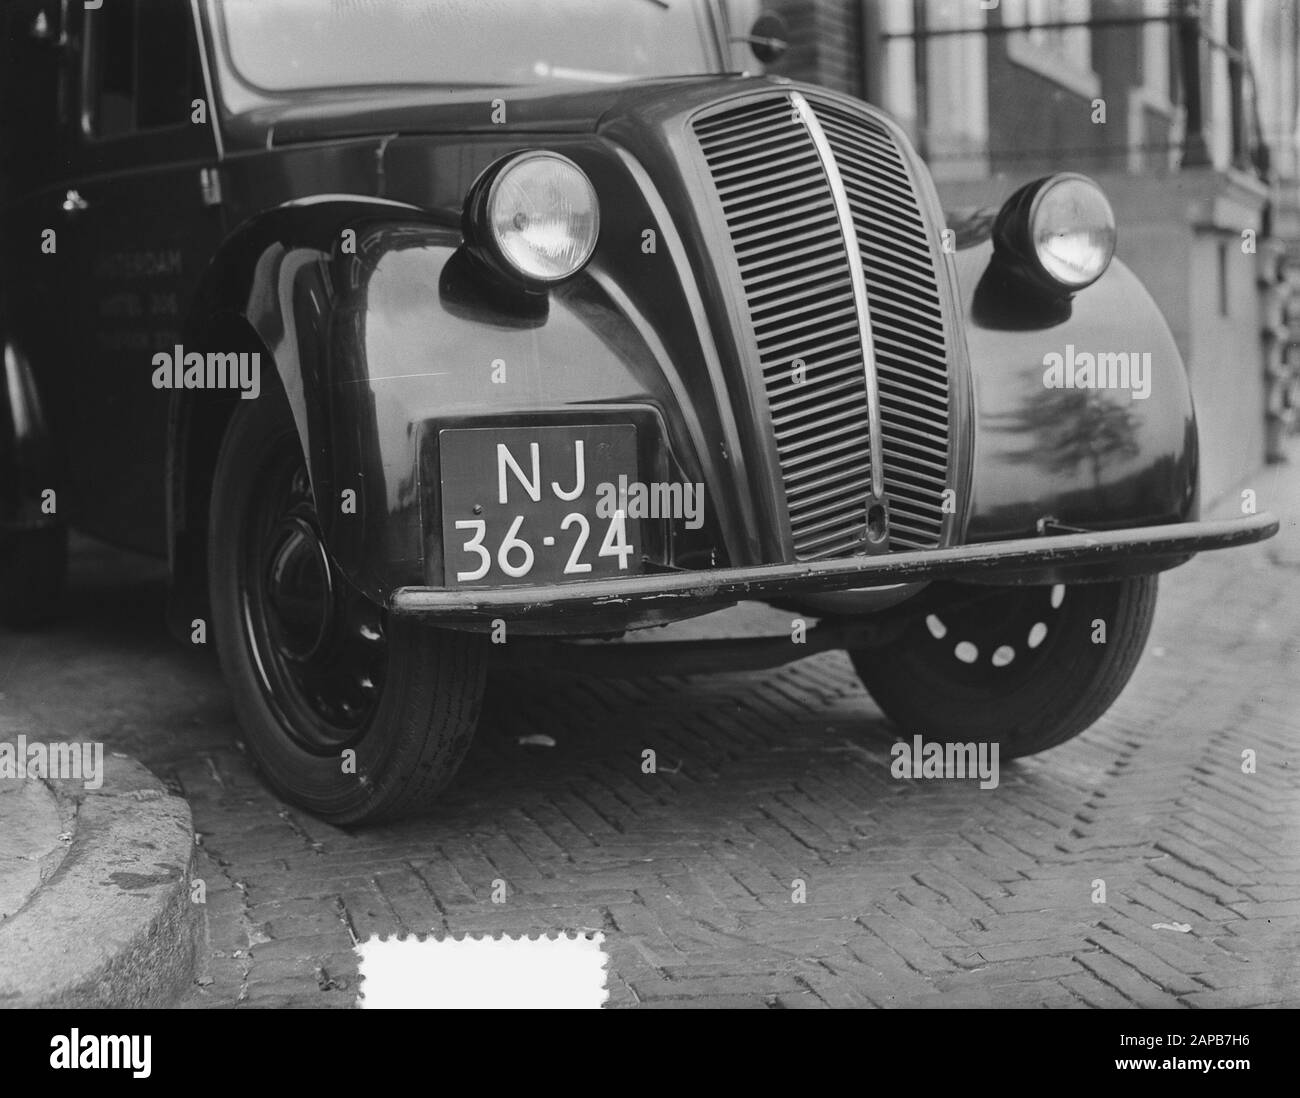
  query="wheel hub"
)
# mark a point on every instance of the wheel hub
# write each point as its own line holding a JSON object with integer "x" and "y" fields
{"x": 300, "y": 590}
{"x": 319, "y": 643}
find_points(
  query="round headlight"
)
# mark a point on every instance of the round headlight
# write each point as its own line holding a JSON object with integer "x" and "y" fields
{"x": 538, "y": 216}
{"x": 1057, "y": 233}
{"x": 1072, "y": 229}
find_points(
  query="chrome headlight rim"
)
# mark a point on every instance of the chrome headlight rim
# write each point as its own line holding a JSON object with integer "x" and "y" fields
{"x": 1016, "y": 233}
{"x": 483, "y": 242}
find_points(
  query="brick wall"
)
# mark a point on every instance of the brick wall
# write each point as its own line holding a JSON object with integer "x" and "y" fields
{"x": 839, "y": 36}
{"x": 1037, "y": 123}
{"x": 825, "y": 43}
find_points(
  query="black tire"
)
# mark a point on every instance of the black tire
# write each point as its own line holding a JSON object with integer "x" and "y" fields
{"x": 33, "y": 570}
{"x": 315, "y": 668}
{"x": 1044, "y": 694}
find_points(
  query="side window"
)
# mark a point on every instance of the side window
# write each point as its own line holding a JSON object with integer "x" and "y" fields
{"x": 168, "y": 79}
{"x": 111, "y": 35}
{"x": 143, "y": 70}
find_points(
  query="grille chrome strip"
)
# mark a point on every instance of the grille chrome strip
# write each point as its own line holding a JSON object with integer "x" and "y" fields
{"x": 858, "y": 278}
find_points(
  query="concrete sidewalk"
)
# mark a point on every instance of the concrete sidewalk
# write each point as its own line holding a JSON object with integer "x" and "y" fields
{"x": 95, "y": 903}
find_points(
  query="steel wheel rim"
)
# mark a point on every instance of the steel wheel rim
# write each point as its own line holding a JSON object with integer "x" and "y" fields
{"x": 319, "y": 646}
{"x": 999, "y": 641}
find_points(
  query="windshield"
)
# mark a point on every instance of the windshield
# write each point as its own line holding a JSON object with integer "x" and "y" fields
{"x": 287, "y": 45}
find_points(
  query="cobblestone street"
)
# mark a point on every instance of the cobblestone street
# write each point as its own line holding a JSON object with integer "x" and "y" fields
{"x": 918, "y": 893}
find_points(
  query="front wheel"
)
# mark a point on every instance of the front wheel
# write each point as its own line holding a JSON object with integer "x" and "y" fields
{"x": 1024, "y": 667}
{"x": 350, "y": 714}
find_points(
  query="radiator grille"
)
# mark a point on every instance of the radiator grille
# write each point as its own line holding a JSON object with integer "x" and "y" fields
{"x": 788, "y": 243}
{"x": 781, "y": 216}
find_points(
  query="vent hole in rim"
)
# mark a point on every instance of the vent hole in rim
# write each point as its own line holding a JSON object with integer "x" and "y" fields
{"x": 966, "y": 652}
{"x": 1037, "y": 634}
{"x": 1003, "y": 656}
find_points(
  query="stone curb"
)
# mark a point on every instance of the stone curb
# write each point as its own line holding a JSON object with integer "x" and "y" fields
{"x": 113, "y": 926}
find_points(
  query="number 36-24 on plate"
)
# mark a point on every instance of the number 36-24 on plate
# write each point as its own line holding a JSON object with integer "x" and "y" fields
{"x": 522, "y": 505}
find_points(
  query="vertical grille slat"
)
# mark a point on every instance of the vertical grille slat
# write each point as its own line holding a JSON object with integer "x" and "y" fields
{"x": 789, "y": 245}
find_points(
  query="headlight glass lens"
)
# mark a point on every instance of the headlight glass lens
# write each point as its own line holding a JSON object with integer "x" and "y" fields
{"x": 543, "y": 216}
{"x": 1073, "y": 231}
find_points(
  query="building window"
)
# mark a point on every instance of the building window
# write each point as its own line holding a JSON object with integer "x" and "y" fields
{"x": 1061, "y": 54}
{"x": 898, "y": 80}
{"x": 956, "y": 91}
{"x": 1157, "y": 46}
{"x": 1152, "y": 119}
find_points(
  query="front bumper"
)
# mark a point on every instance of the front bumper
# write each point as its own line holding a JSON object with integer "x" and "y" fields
{"x": 1153, "y": 547}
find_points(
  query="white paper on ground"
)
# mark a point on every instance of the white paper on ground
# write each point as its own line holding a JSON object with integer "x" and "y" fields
{"x": 558, "y": 973}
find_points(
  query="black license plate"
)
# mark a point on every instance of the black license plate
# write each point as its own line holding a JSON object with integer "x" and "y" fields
{"x": 525, "y": 505}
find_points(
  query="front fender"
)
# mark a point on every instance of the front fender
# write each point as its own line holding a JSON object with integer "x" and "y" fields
{"x": 1090, "y": 458}
{"x": 378, "y": 345}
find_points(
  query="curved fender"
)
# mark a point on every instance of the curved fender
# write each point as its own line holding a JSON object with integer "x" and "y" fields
{"x": 272, "y": 275}
{"x": 27, "y": 455}
{"x": 1096, "y": 458}
{"x": 378, "y": 347}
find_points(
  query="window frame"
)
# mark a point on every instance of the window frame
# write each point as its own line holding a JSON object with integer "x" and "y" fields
{"x": 1044, "y": 58}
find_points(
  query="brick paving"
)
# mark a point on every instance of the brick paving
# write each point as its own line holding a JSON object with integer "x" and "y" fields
{"x": 918, "y": 893}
